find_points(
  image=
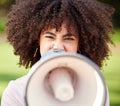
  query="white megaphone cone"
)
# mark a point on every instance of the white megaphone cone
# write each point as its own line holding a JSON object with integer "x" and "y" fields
{"x": 65, "y": 79}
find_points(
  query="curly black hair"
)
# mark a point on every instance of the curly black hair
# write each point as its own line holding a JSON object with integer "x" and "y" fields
{"x": 90, "y": 19}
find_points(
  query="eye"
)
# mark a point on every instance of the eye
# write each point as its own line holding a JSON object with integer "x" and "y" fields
{"x": 49, "y": 37}
{"x": 69, "y": 38}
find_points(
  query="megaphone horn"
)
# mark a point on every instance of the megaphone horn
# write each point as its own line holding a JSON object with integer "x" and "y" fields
{"x": 65, "y": 79}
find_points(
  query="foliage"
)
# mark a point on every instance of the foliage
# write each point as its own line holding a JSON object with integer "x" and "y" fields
{"x": 6, "y": 3}
{"x": 116, "y": 15}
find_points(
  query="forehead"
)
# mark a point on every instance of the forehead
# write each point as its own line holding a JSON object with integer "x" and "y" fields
{"x": 63, "y": 29}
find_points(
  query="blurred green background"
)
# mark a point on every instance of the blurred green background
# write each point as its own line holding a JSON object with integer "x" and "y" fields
{"x": 10, "y": 70}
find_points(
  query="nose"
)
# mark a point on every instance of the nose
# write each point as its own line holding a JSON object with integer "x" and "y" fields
{"x": 58, "y": 45}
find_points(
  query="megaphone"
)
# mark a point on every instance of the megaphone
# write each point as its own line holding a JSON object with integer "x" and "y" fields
{"x": 65, "y": 79}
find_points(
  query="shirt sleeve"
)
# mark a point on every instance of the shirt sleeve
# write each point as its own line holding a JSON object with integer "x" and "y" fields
{"x": 107, "y": 101}
{"x": 13, "y": 95}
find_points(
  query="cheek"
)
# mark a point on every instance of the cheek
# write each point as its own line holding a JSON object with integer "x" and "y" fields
{"x": 72, "y": 47}
{"x": 44, "y": 47}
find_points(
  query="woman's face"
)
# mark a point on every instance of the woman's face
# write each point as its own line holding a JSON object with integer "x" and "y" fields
{"x": 63, "y": 40}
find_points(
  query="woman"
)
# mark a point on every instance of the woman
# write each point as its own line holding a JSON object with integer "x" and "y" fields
{"x": 36, "y": 26}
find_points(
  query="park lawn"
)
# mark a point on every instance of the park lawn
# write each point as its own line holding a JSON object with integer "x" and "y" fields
{"x": 116, "y": 36}
{"x": 2, "y": 24}
{"x": 111, "y": 73}
{"x": 9, "y": 70}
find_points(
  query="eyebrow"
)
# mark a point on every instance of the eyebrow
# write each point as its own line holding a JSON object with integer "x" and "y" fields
{"x": 68, "y": 34}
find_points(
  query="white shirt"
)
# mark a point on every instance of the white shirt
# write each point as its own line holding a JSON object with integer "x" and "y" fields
{"x": 14, "y": 94}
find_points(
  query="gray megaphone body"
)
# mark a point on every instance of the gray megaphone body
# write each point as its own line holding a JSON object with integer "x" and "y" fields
{"x": 65, "y": 79}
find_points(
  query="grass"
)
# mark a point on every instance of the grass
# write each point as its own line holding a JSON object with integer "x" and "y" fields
{"x": 9, "y": 70}
{"x": 116, "y": 37}
{"x": 2, "y": 24}
{"x": 112, "y": 76}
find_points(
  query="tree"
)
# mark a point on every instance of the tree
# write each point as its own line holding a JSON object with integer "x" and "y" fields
{"x": 5, "y": 4}
{"x": 116, "y": 15}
